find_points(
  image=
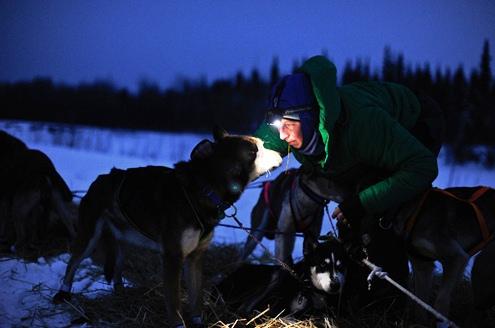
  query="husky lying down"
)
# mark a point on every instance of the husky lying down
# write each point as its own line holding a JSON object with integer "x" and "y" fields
{"x": 313, "y": 287}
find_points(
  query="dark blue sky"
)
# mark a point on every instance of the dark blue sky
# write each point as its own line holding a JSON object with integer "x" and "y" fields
{"x": 164, "y": 41}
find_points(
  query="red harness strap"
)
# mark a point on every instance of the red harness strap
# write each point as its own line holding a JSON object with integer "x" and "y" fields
{"x": 266, "y": 197}
{"x": 485, "y": 233}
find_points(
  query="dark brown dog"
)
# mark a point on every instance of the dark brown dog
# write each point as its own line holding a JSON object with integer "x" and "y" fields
{"x": 447, "y": 229}
{"x": 34, "y": 199}
{"x": 173, "y": 211}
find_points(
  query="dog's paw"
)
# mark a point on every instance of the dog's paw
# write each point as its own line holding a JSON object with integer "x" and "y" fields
{"x": 61, "y": 297}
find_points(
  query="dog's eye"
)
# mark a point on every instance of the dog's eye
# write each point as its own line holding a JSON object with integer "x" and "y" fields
{"x": 250, "y": 154}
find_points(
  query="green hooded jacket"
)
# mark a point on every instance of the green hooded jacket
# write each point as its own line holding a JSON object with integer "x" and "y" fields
{"x": 364, "y": 124}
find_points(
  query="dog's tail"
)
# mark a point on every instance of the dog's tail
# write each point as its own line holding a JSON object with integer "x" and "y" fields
{"x": 108, "y": 242}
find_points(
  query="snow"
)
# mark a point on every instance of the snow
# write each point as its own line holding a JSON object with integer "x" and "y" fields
{"x": 82, "y": 153}
{"x": 25, "y": 296}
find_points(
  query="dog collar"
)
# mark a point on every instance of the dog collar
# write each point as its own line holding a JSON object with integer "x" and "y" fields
{"x": 216, "y": 200}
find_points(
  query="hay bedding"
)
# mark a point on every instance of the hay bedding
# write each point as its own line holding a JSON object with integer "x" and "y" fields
{"x": 142, "y": 303}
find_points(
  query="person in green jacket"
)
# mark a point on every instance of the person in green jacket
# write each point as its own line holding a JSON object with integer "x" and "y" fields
{"x": 377, "y": 138}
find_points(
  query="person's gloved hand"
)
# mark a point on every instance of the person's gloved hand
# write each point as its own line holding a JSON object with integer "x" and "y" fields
{"x": 355, "y": 250}
{"x": 350, "y": 212}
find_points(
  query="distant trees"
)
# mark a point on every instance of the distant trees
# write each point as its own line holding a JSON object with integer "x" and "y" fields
{"x": 239, "y": 103}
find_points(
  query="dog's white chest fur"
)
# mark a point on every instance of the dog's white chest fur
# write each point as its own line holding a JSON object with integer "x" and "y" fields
{"x": 320, "y": 280}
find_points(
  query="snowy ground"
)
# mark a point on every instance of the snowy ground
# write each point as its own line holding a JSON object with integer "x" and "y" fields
{"x": 80, "y": 155}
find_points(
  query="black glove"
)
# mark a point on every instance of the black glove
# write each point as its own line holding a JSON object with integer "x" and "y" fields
{"x": 355, "y": 250}
{"x": 353, "y": 212}
{"x": 352, "y": 242}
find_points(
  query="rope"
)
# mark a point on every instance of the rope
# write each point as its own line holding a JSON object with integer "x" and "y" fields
{"x": 377, "y": 271}
{"x": 330, "y": 219}
{"x": 253, "y": 185}
{"x": 280, "y": 262}
{"x": 276, "y": 232}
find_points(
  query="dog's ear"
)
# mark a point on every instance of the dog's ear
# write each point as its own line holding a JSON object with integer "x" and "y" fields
{"x": 202, "y": 150}
{"x": 219, "y": 133}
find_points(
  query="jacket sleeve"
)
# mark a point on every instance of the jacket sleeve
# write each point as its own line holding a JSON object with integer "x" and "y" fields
{"x": 379, "y": 141}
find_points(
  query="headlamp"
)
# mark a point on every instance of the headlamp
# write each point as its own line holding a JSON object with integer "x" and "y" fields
{"x": 276, "y": 123}
{"x": 275, "y": 115}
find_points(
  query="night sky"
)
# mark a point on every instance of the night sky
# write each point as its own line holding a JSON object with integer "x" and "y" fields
{"x": 165, "y": 41}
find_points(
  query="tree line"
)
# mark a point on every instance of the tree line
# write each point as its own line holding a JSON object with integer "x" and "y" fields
{"x": 238, "y": 103}
{"x": 467, "y": 101}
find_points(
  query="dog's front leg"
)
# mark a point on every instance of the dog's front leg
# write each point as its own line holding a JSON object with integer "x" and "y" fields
{"x": 285, "y": 237}
{"x": 256, "y": 236}
{"x": 172, "y": 267}
{"x": 193, "y": 275}
{"x": 453, "y": 269}
{"x": 422, "y": 285}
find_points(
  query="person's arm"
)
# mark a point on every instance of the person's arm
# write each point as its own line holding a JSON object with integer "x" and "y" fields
{"x": 379, "y": 141}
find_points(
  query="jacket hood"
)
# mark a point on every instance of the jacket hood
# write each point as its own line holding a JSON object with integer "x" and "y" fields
{"x": 323, "y": 76}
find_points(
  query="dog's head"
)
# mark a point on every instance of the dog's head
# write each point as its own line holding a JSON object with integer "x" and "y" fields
{"x": 327, "y": 263}
{"x": 234, "y": 160}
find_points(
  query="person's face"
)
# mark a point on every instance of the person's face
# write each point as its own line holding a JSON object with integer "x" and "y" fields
{"x": 290, "y": 131}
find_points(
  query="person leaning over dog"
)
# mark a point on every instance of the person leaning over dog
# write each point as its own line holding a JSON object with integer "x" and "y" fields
{"x": 378, "y": 138}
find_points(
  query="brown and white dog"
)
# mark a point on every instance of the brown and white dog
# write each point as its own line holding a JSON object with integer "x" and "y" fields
{"x": 173, "y": 211}
{"x": 289, "y": 204}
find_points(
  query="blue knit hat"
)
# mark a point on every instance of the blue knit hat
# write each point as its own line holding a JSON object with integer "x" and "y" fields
{"x": 292, "y": 98}
{"x": 292, "y": 95}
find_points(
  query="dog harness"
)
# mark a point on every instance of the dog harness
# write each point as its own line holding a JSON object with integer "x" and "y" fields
{"x": 485, "y": 233}
{"x": 300, "y": 224}
{"x": 117, "y": 208}
{"x": 207, "y": 192}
